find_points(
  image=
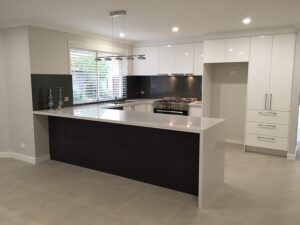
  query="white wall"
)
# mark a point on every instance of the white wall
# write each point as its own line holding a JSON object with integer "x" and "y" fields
{"x": 295, "y": 99}
{"x": 49, "y": 49}
{"x": 17, "y": 67}
{"x": 4, "y": 114}
{"x": 25, "y": 50}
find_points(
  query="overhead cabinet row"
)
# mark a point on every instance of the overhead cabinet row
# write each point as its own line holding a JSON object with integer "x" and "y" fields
{"x": 226, "y": 50}
{"x": 169, "y": 59}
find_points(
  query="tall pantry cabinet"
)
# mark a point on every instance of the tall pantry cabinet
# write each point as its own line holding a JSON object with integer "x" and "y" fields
{"x": 269, "y": 89}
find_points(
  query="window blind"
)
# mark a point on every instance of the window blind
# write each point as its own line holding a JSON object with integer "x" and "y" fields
{"x": 96, "y": 81}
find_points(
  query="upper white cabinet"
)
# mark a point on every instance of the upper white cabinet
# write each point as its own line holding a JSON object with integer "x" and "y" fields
{"x": 214, "y": 51}
{"x": 184, "y": 58}
{"x": 271, "y": 72}
{"x": 169, "y": 59}
{"x": 150, "y": 65}
{"x": 152, "y": 60}
{"x": 259, "y": 72}
{"x": 282, "y": 72}
{"x": 166, "y": 59}
{"x": 226, "y": 50}
{"x": 139, "y": 66}
{"x": 198, "y": 59}
{"x": 237, "y": 50}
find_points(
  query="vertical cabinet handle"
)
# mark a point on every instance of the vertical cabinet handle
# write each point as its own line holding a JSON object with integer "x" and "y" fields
{"x": 271, "y": 96}
{"x": 266, "y": 97}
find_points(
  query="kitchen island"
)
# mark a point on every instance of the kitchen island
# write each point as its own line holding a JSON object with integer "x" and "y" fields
{"x": 178, "y": 152}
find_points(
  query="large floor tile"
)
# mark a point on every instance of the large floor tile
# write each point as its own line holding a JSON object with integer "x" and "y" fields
{"x": 258, "y": 189}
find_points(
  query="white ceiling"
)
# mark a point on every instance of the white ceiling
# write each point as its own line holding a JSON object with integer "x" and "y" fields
{"x": 151, "y": 20}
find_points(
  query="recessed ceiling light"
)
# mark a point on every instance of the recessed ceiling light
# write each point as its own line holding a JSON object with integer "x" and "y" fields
{"x": 247, "y": 20}
{"x": 122, "y": 34}
{"x": 169, "y": 46}
{"x": 175, "y": 29}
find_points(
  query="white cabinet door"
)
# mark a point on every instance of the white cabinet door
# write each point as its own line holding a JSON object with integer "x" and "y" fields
{"x": 195, "y": 111}
{"x": 214, "y": 51}
{"x": 198, "y": 59}
{"x": 259, "y": 72}
{"x": 139, "y": 66}
{"x": 152, "y": 60}
{"x": 184, "y": 58}
{"x": 127, "y": 108}
{"x": 282, "y": 72}
{"x": 166, "y": 59}
{"x": 149, "y": 107}
{"x": 140, "y": 108}
{"x": 237, "y": 49}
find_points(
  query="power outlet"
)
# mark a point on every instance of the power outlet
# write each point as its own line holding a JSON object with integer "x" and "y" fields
{"x": 22, "y": 145}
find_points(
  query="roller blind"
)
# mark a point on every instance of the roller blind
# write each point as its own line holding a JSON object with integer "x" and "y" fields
{"x": 96, "y": 81}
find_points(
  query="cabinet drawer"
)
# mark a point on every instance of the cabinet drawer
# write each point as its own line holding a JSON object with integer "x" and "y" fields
{"x": 268, "y": 116}
{"x": 277, "y": 130}
{"x": 264, "y": 141}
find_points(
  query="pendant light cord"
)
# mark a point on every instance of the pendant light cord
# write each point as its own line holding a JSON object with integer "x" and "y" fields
{"x": 112, "y": 34}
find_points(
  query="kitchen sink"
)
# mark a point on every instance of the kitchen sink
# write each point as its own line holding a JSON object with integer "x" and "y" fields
{"x": 130, "y": 101}
{"x": 119, "y": 102}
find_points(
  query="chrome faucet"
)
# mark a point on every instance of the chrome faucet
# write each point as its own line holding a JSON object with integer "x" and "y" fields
{"x": 116, "y": 100}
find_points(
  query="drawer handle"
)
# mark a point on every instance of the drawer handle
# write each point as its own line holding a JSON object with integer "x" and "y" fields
{"x": 268, "y": 113}
{"x": 266, "y": 139}
{"x": 266, "y": 126}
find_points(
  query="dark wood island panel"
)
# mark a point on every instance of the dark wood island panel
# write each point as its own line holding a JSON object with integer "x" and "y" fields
{"x": 165, "y": 158}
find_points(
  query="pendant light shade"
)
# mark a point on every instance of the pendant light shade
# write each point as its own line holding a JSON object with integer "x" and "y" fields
{"x": 141, "y": 57}
{"x": 119, "y": 58}
{"x": 130, "y": 57}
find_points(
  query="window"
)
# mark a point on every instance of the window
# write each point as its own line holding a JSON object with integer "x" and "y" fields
{"x": 96, "y": 81}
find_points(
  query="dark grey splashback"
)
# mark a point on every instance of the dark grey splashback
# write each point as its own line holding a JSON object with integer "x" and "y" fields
{"x": 40, "y": 84}
{"x": 164, "y": 86}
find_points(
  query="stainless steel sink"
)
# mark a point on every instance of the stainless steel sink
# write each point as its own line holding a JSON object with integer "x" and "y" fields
{"x": 131, "y": 101}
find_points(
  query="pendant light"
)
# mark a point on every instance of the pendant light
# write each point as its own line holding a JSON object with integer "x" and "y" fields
{"x": 114, "y": 14}
{"x": 130, "y": 57}
{"x": 119, "y": 58}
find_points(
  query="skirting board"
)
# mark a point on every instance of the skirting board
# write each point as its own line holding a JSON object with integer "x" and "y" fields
{"x": 266, "y": 151}
{"x": 234, "y": 141}
{"x": 292, "y": 156}
{"x": 24, "y": 158}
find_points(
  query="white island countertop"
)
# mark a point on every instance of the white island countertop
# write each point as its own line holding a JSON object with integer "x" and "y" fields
{"x": 100, "y": 113}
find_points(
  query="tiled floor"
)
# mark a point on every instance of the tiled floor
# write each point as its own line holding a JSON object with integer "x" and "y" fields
{"x": 258, "y": 190}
